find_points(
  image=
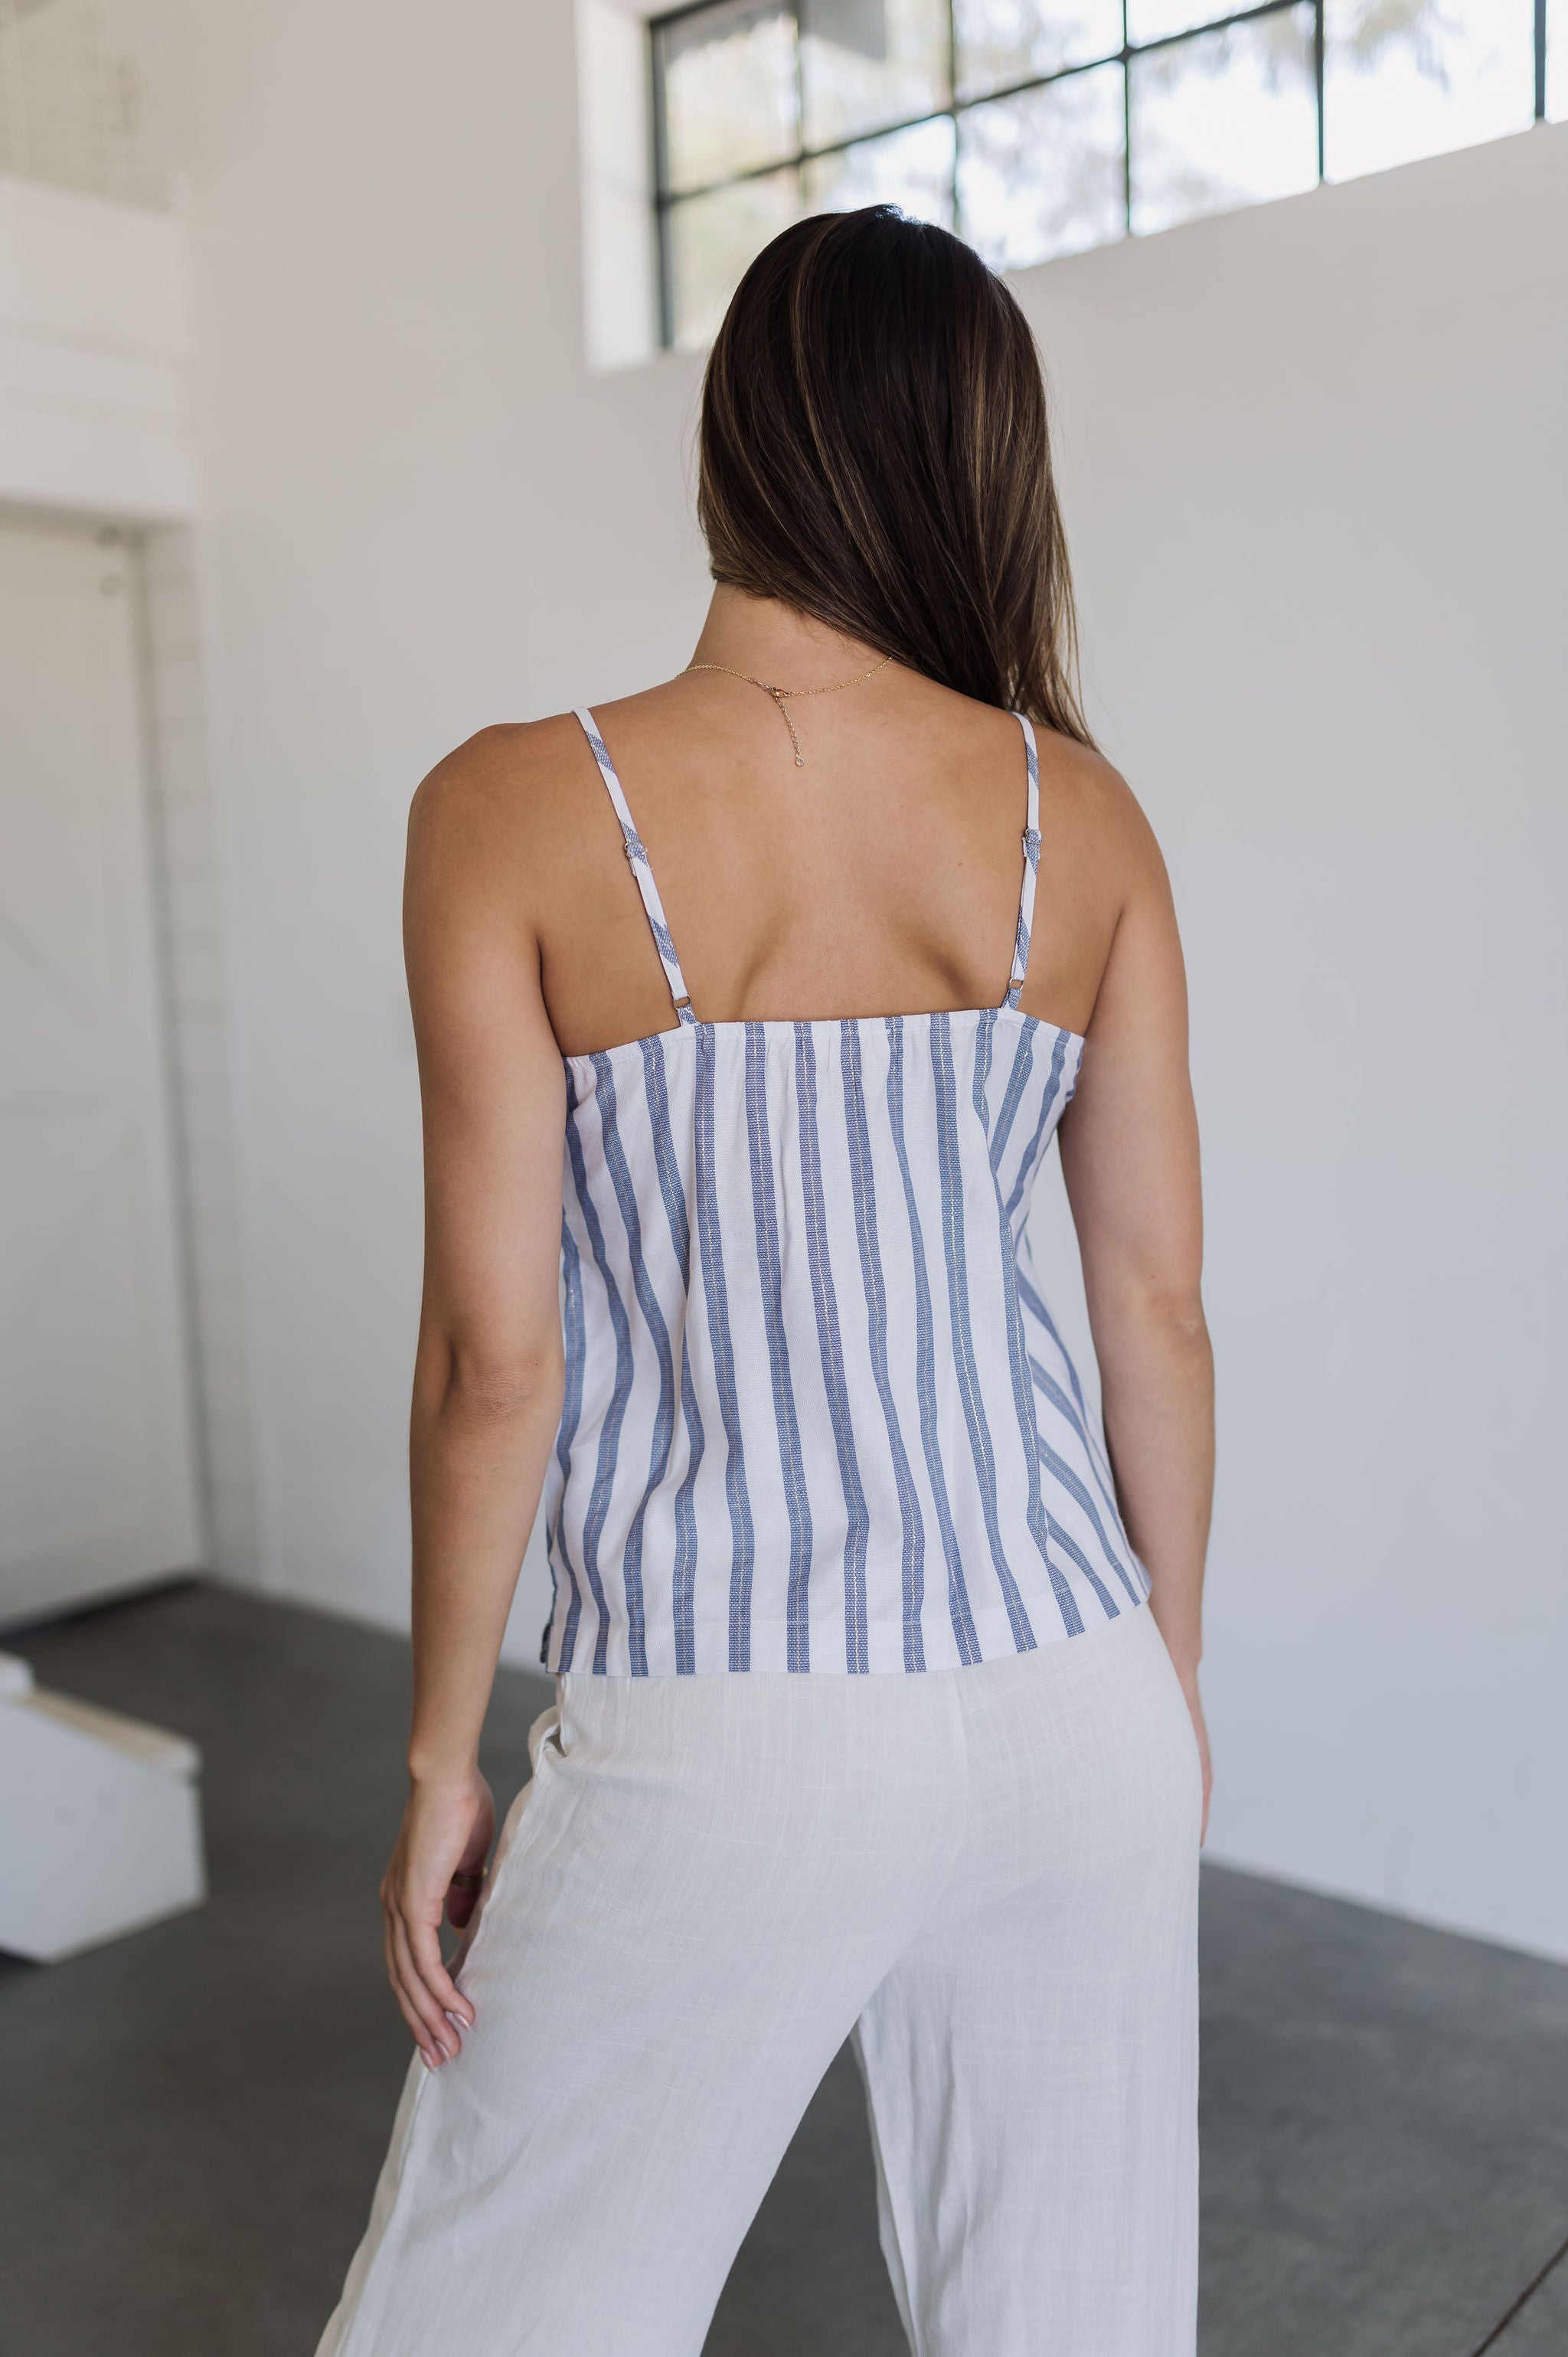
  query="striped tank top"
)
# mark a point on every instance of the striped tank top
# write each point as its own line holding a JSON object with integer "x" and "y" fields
{"x": 817, "y": 1416}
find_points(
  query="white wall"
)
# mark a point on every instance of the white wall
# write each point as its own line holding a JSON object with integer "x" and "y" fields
{"x": 1314, "y": 466}
{"x": 95, "y": 338}
{"x": 1317, "y": 480}
{"x": 181, "y": 710}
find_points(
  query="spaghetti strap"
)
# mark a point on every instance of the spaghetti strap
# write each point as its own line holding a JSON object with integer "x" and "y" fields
{"x": 1031, "y": 864}
{"x": 636, "y": 852}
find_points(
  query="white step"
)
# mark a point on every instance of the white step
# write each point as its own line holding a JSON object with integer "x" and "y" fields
{"x": 99, "y": 1821}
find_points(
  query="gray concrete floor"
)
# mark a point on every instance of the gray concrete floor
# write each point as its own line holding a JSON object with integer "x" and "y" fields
{"x": 195, "y": 2116}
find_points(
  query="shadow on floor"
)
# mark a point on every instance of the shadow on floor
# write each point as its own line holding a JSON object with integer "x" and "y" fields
{"x": 195, "y": 2114}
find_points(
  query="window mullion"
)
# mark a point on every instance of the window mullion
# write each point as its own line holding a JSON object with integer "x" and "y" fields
{"x": 952, "y": 107}
{"x": 1126, "y": 123}
{"x": 663, "y": 257}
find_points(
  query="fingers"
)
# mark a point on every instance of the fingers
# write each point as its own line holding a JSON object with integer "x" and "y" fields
{"x": 428, "y": 1999}
{"x": 440, "y": 1989}
{"x": 436, "y": 2037}
{"x": 428, "y": 2050}
{"x": 433, "y": 2034}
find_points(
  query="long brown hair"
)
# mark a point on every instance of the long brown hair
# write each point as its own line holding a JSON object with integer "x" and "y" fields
{"x": 874, "y": 452}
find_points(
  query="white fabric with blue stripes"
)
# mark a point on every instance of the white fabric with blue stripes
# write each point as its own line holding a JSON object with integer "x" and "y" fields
{"x": 817, "y": 1416}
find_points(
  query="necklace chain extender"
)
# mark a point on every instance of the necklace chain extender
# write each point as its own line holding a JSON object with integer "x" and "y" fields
{"x": 784, "y": 696}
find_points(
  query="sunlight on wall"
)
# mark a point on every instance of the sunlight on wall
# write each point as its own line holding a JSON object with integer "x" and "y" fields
{"x": 621, "y": 318}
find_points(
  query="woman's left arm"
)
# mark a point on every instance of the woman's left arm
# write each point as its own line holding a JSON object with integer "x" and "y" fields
{"x": 488, "y": 1371}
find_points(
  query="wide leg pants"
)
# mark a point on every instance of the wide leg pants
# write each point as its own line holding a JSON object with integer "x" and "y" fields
{"x": 987, "y": 1875}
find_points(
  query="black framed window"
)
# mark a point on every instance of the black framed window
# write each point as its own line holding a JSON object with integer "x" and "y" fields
{"x": 1037, "y": 128}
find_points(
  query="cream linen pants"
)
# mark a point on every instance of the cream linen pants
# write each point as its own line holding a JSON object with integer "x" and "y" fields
{"x": 989, "y": 1875}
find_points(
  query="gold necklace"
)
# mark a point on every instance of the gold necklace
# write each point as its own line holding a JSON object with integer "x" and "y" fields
{"x": 783, "y": 695}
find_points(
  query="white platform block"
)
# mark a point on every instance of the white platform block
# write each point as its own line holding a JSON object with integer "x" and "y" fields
{"x": 99, "y": 1821}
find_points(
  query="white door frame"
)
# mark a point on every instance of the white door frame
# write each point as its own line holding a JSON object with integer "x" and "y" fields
{"x": 164, "y": 561}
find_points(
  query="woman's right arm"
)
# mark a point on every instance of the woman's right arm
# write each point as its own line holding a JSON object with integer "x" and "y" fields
{"x": 1129, "y": 1149}
{"x": 488, "y": 1371}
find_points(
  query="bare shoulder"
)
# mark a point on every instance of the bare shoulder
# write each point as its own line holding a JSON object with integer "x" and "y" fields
{"x": 503, "y": 812}
{"x": 1091, "y": 811}
{"x": 497, "y": 779}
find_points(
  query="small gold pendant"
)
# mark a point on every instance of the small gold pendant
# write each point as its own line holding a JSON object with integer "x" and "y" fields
{"x": 779, "y": 695}
{"x": 782, "y": 694}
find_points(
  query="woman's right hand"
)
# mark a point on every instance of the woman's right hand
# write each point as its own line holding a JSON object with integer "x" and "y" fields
{"x": 446, "y": 1832}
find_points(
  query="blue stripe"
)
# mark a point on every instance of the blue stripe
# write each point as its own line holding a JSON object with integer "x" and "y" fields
{"x": 663, "y": 944}
{"x": 573, "y": 1340}
{"x": 1040, "y": 1525}
{"x": 863, "y": 1188}
{"x": 1048, "y": 1105}
{"x": 1052, "y": 1391}
{"x": 615, "y": 1415}
{"x": 925, "y": 1358}
{"x": 653, "y": 1316}
{"x": 1078, "y": 1417}
{"x": 685, "y": 1573}
{"x": 1049, "y": 1389}
{"x": 1013, "y": 1094}
{"x": 1069, "y": 1546}
{"x": 1061, "y": 1471}
{"x": 984, "y": 1033}
{"x": 710, "y": 1253}
{"x": 765, "y": 1212}
{"x": 829, "y": 1346}
{"x": 1034, "y": 1305}
{"x": 952, "y": 1174}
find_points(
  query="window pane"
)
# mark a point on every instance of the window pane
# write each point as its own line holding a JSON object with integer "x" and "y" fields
{"x": 714, "y": 238}
{"x": 1003, "y": 41}
{"x": 912, "y": 169}
{"x": 729, "y": 91}
{"x": 1421, "y": 76}
{"x": 1151, "y": 20}
{"x": 1556, "y": 60}
{"x": 1226, "y": 119}
{"x": 1041, "y": 173}
{"x": 865, "y": 63}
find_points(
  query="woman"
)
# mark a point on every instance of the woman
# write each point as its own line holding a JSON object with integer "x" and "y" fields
{"x": 877, "y": 1705}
